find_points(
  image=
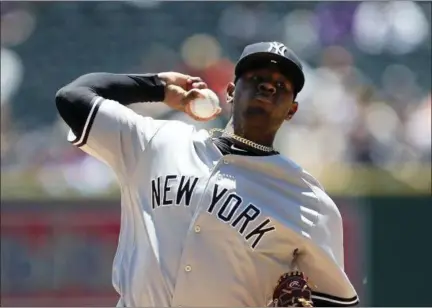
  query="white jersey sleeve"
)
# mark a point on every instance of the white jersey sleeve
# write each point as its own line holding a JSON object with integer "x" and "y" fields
{"x": 322, "y": 259}
{"x": 115, "y": 134}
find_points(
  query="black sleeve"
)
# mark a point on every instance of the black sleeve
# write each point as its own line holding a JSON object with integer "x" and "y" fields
{"x": 75, "y": 100}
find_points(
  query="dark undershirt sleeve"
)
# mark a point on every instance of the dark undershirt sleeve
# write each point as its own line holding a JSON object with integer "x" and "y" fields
{"x": 75, "y": 101}
{"x": 94, "y": 107}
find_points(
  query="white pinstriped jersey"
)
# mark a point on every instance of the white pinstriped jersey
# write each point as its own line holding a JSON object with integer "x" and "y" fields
{"x": 202, "y": 229}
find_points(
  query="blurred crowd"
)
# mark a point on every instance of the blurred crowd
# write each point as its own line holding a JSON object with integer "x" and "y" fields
{"x": 367, "y": 98}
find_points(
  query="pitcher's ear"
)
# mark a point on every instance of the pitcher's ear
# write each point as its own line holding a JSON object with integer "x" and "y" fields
{"x": 230, "y": 93}
{"x": 292, "y": 111}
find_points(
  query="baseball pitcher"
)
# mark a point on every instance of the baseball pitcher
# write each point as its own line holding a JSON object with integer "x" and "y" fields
{"x": 212, "y": 220}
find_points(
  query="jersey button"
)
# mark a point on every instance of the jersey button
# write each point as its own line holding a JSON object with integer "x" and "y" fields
{"x": 197, "y": 229}
{"x": 188, "y": 268}
{"x": 226, "y": 162}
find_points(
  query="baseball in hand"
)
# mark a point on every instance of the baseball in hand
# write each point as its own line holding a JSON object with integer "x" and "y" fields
{"x": 205, "y": 107}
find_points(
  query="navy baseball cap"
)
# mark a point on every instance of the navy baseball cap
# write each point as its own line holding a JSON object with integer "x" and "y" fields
{"x": 263, "y": 53}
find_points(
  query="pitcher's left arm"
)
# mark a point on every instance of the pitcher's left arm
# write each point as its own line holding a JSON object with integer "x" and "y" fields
{"x": 320, "y": 279}
{"x": 322, "y": 259}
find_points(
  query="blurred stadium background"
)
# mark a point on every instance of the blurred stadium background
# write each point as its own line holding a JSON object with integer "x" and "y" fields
{"x": 363, "y": 128}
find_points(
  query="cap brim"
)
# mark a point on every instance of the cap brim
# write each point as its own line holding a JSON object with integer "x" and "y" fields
{"x": 264, "y": 59}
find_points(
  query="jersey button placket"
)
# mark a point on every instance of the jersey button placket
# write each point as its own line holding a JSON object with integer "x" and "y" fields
{"x": 181, "y": 291}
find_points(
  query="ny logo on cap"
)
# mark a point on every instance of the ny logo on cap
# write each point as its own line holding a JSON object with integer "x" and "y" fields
{"x": 278, "y": 48}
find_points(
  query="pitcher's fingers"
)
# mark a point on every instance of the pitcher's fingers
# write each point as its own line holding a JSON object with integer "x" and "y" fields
{"x": 192, "y": 95}
{"x": 199, "y": 85}
{"x": 191, "y": 80}
{"x": 195, "y": 83}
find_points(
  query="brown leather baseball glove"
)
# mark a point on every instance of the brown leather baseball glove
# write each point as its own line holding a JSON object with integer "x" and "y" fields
{"x": 292, "y": 290}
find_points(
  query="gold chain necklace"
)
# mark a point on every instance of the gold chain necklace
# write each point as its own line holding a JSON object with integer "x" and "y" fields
{"x": 242, "y": 140}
